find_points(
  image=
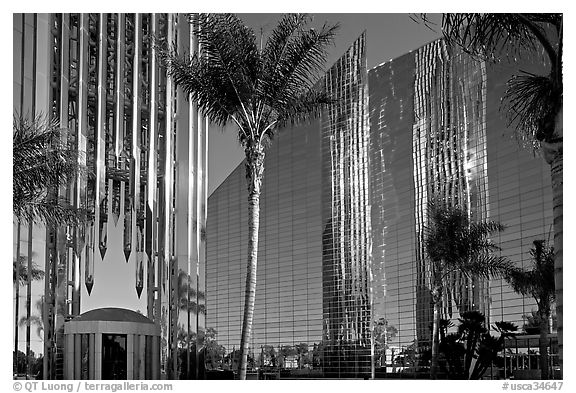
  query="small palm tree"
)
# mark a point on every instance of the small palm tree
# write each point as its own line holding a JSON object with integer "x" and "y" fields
{"x": 187, "y": 295}
{"x": 41, "y": 163}
{"x": 20, "y": 271}
{"x": 260, "y": 88}
{"x": 35, "y": 320}
{"x": 453, "y": 244}
{"x": 383, "y": 334}
{"x": 538, "y": 283}
{"x": 534, "y": 102}
{"x": 20, "y": 278}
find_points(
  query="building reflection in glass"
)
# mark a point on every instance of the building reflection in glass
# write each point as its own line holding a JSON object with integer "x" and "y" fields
{"x": 343, "y": 209}
{"x": 346, "y": 238}
{"x": 436, "y": 131}
{"x": 312, "y": 311}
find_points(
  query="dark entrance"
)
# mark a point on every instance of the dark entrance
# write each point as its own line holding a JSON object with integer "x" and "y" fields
{"x": 114, "y": 359}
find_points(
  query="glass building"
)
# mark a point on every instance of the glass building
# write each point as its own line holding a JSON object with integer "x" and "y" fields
{"x": 144, "y": 147}
{"x": 343, "y": 207}
{"x": 437, "y": 130}
{"x": 312, "y": 312}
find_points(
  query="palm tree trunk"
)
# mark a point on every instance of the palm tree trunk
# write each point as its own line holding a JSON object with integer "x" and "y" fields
{"x": 543, "y": 344}
{"x": 254, "y": 173}
{"x": 557, "y": 170}
{"x": 553, "y": 154}
{"x": 436, "y": 299}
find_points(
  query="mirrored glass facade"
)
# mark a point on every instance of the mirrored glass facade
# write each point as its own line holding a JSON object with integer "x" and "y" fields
{"x": 288, "y": 306}
{"x": 436, "y": 129}
{"x": 343, "y": 208}
{"x": 144, "y": 146}
{"x": 346, "y": 240}
{"x": 312, "y": 312}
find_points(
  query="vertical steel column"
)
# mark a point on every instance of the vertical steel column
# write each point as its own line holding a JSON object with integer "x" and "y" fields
{"x": 151, "y": 209}
{"x": 64, "y": 83}
{"x": 119, "y": 101}
{"x": 162, "y": 279}
{"x": 154, "y": 359}
{"x": 32, "y": 21}
{"x": 98, "y": 356}
{"x": 120, "y": 97}
{"x": 142, "y": 356}
{"x": 71, "y": 280}
{"x": 201, "y": 200}
{"x": 80, "y": 231}
{"x": 130, "y": 357}
{"x": 185, "y": 212}
{"x": 136, "y": 357}
{"x": 69, "y": 357}
{"x": 135, "y": 165}
{"x": 19, "y": 50}
{"x": 45, "y": 62}
{"x": 100, "y": 191}
{"x": 168, "y": 249}
{"x": 92, "y": 356}
{"x": 77, "y": 356}
{"x": 127, "y": 88}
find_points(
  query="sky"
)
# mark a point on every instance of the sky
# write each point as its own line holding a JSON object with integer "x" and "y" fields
{"x": 387, "y": 36}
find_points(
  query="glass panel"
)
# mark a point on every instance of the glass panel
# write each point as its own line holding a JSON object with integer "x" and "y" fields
{"x": 114, "y": 356}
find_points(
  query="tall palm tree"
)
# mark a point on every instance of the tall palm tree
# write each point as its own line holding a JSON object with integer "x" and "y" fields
{"x": 453, "y": 244}
{"x": 41, "y": 162}
{"x": 538, "y": 283}
{"x": 534, "y": 102}
{"x": 258, "y": 87}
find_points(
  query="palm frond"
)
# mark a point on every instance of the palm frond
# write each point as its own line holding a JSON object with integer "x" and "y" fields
{"x": 22, "y": 275}
{"x": 232, "y": 80}
{"x": 300, "y": 65}
{"x": 42, "y": 162}
{"x": 222, "y": 78}
{"x": 505, "y": 328}
{"x": 537, "y": 282}
{"x": 532, "y": 102}
{"x": 491, "y": 36}
{"x": 486, "y": 265}
{"x": 454, "y": 243}
{"x": 277, "y": 43}
{"x": 49, "y": 213}
{"x": 302, "y": 107}
{"x": 207, "y": 87}
{"x": 228, "y": 44}
{"x": 231, "y": 58}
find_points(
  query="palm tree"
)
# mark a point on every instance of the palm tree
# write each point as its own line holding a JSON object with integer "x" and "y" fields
{"x": 187, "y": 295}
{"x": 472, "y": 349}
{"x": 42, "y": 162}
{"x": 383, "y": 334}
{"x": 20, "y": 278}
{"x": 538, "y": 283}
{"x": 260, "y": 88}
{"x": 37, "y": 320}
{"x": 454, "y": 244}
{"x": 534, "y": 102}
{"x": 20, "y": 273}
